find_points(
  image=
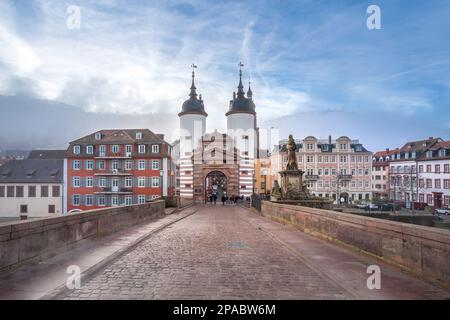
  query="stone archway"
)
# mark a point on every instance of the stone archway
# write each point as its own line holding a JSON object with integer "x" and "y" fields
{"x": 216, "y": 182}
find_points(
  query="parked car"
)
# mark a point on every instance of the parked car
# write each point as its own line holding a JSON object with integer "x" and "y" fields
{"x": 372, "y": 206}
{"x": 442, "y": 211}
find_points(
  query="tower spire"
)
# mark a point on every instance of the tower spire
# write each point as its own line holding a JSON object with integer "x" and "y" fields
{"x": 240, "y": 92}
{"x": 249, "y": 92}
{"x": 193, "y": 93}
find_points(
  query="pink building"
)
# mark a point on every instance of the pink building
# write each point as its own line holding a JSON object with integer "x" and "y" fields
{"x": 340, "y": 169}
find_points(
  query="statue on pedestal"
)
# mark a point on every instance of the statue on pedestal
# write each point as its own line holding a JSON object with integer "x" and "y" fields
{"x": 291, "y": 156}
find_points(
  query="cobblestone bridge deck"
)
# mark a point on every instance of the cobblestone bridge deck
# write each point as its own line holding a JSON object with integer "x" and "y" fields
{"x": 227, "y": 252}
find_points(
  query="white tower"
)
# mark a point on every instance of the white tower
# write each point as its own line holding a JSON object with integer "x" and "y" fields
{"x": 241, "y": 126}
{"x": 193, "y": 126}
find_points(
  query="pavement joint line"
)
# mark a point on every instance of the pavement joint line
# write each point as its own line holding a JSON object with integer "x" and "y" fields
{"x": 62, "y": 290}
{"x": 310, "y": 264}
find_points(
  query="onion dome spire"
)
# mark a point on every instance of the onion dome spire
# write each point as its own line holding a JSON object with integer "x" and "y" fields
{"x": 240, "y": 92}
{"x": 193, "y": 105}
{"x": 249, "y": 91}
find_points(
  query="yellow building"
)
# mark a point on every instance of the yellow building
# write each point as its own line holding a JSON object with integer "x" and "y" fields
{"x": 262, "y": 175}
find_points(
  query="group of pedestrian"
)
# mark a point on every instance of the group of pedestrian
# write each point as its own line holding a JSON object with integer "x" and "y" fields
{"x": 212, "y": 198}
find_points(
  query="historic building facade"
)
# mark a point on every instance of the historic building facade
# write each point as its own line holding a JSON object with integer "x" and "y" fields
{"x": 117, "y": 167}
{"x": 404, "y": 171}
{"x": 31, "y": 188}
{"x": 339, "y": 169}
{"x": 380, "y": 173}
{"x": 207, "y": 160}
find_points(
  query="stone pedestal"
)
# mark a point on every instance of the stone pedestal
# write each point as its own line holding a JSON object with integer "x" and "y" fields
{"x": 291, "y": 180}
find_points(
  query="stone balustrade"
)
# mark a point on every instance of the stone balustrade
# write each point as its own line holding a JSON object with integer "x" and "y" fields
{"x": 26, "y": 241}
{"x": 423, "y": 251}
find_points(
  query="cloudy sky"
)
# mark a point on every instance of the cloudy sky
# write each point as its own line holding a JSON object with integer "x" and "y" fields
{"x": 315, "y": 67}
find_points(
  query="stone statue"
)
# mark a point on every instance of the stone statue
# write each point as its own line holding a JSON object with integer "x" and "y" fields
{"x": 291, "y": 156}
{"x": 276, "y": 192}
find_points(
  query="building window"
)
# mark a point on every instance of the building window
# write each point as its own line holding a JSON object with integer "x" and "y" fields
{"x": 89, "y": 181}
{"x": 333, "y": 171}
{"x": 309, "y": 146}
{"x": 437, "y": 183}
{"x": 90, "y": 149}
{"x": 98, "y": 136}
{"x": 114, "y": 201}
{"x": 155, "y": 148}
{"x": 128, "y": 165}
{"x": 429, "y": 168}
{"x": 31, "y": 191}
{"x": 102, "y": 151}
{"x": 128, "y": 182}
{"x": 141, "y": 199}
{"x": 10, "y": 191}
{"x": 101, "y": 201}
{"x": 76, "y": 149}
{"x": 327, "y": 171}
{"x": 101, "y": 164}
{"x": 437, "y": 168}
{"x": 138, "y": 135}
{"x": 128, "y": 200}
{"x": 141, "y": 148}
{"x": 76, "y": 182}
{"x": 141, "y": 164}
{"x": 76, "y": 200}
{"x": 343, "y": 159}
{"x": 155, "y": 164}
{"x": 155, "y": 182}
{"x": 51, "y": 208}
{"x": 19, "y": 191}
{"x": 115, "y": 165}
{"x": 44, "y": 191}
{"x": 430, "y": 199}
{"x": 23, "y": 208}
{"x": 55, "y": 191}
{"x": 76, "y": 164}
{"x": 89, "y": 200}
{"x": 90, "y": 164}
{"x": 429, "y": 183}
{"x": 446, "y": 183}
{"x": 309, "y": 159}
{"x": 319, "y": 159}
{"x": 2, "y": 191}
{"x": 102, "y": 182}
{"x": 446, "y": 168}
{"x": 141, "y": 182}
{"x": 115, "y": 148}
{"x": 128, "y": 149}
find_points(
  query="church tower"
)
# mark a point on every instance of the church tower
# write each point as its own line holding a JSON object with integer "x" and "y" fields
{"x": 241, "y": 126}
{"x": 192, "y": 129}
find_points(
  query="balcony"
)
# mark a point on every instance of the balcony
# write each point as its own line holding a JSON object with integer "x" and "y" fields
{"x": 311, "y": 177}
{"x": 345, "y": 177}
{"x": 114, "y": 190}
{"x": 110, "y": 155}
{"x": 114, "y": 172}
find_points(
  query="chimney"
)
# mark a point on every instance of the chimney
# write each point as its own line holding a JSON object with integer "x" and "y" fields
{"x": 329, "y": 139}
{"x": 161, "y": 136}
{"x": 431, "y": 138}
{"x": 387, "y": 149}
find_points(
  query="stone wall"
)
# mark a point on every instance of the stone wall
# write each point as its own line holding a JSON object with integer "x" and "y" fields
{"x": 26, "y": 241}
{"x": 423, "y": 251}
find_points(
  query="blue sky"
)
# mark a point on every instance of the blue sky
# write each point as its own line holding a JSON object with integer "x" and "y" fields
{"x": 308, "y": 60}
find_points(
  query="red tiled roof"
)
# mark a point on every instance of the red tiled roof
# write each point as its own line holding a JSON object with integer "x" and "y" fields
{"x": 385, "y": 153}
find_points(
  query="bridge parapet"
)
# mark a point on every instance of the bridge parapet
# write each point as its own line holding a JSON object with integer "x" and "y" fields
{"x": 423, "y": 251}
{"x": 26, "y": 241}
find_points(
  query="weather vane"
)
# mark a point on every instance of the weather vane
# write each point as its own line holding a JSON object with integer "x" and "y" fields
{"x": 240, "y": 66}
{"x": 193, "y": 66}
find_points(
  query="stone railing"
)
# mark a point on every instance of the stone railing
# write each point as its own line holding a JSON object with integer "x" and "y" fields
{"x": 26, "y": 241}
{"x": 423, "y": 251}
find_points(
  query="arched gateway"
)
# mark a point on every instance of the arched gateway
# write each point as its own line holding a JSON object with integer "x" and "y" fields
{"x": 216, "y": 183}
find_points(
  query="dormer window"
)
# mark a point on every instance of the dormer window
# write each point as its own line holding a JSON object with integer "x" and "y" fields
{"x": 429, "y": 154}
{"x": 76, "y": 149}
{"x": 442, "y": 153}
{"x": 138, "y": 135}
{"x": 358, "y": 148}
{"x": 413, "y": 154}
{"x": 90, "y": 149}
{"x": 325, "y": 147}
{"x": 98, "y": 136}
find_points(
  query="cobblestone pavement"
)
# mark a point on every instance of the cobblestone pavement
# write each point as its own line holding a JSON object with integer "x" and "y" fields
{"x": 230, "y": 253}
